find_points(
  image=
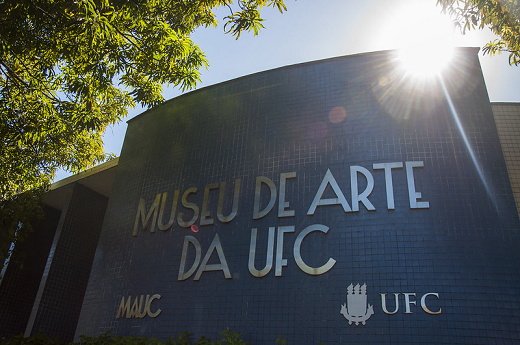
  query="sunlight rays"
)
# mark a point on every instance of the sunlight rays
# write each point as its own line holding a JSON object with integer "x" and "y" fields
{"x": 423, "y": 37}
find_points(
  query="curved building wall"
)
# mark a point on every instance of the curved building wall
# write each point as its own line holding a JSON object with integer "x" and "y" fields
{"x": 333, "y": 201}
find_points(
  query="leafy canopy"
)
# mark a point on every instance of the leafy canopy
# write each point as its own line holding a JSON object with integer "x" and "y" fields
{"x": 501, "y": 16}
{"x": 69, "y": 69}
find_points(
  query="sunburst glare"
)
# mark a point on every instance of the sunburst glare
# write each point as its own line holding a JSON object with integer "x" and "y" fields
{"x": 423, "y": 37}
{"x": 424, "y": 61}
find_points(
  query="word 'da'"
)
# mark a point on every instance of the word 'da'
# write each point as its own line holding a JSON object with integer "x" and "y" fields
{"x": 139, "y": 309}
{"x": 199, "y": 267}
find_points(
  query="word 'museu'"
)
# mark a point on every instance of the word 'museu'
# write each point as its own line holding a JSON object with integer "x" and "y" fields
{"x": 154, "y": 218}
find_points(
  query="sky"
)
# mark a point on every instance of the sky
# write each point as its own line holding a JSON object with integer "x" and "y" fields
{"x": 312, "y": 30}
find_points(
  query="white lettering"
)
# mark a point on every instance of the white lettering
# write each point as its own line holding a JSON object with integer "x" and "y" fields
{"x": 383, "y": 303}
{"x": 363, "y": 197}
{"x": 423, "y": 303}
{"x": 205, "y": 213}
{"x": 187, "y": 240}
{"x": 139, "y": 309}
{"x": 412, "y": 193}
{"x": 160, "y": 224}
{"x": 328, "y": 179}
{"x": 192, "y": 206}
{"x": 223, "y": 266}
{"x": 257, "y": 214}
{"x": 280, "y": 261}
{"x": 149, "y": 303}
{"x": 152, "y": 213}
{"x": 297, "y": 253}
{"x": 407, "y": 301}
{"x": 252, "y": 253}
{"x": 282, "y": 204}
{"x": 388, "y": 180}
{"x": 234, "y": 210}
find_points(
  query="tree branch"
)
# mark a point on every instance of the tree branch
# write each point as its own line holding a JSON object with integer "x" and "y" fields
{"x": 42, "y": 10}
{"x": 13, "y": 73}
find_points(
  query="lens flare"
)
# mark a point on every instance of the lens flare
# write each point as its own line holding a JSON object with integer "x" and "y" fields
{"x": 471, "y": 152}
{"x": 337, "y": 114}
{"x": 317, "y": 130}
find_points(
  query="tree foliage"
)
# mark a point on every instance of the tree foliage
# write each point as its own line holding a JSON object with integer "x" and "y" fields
{"x": 501, "y": 16}
{"x": 69, "y": 69}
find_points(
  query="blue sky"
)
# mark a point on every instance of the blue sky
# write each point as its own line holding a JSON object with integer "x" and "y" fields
{"x": 312, "y": 30}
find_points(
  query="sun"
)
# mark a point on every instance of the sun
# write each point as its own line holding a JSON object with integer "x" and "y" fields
{"x": 423, "y": 37}
{"x": 424, "y": 61}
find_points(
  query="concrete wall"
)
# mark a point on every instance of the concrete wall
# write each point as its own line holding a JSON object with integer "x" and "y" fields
{"x": 44, "y": 283}
{"x": 20, "y": 283}
{"x": 60, "y": 295}
{"x": 507, "y": 118}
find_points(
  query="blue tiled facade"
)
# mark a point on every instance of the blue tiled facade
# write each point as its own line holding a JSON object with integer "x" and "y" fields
{"x": 447, "y": 248}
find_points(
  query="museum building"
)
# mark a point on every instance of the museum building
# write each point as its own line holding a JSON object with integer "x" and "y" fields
{"x": 335, "y": 201}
